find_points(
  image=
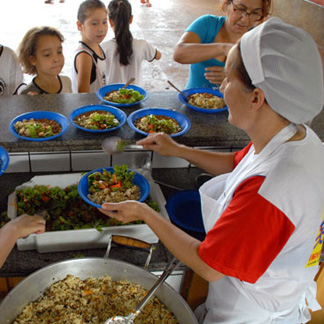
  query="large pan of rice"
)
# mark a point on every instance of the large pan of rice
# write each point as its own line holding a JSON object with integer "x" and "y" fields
{"x": 90, "y": 290}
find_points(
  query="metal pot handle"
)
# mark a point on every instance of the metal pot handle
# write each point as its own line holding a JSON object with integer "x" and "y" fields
{"x": 130, "y": 243}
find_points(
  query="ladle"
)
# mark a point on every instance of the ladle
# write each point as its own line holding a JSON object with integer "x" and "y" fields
{"x": 128, "y": 83}
{"x": 129, "y": 319}
{"x": 172, "y": 85}
{"x": 115, "y": 144}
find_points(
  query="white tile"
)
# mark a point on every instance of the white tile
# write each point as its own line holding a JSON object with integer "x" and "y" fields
{"x": 134, "y": 160}
{"x": 48, "y": 162}
{"x": 18, "y": 163}
{"x": 89, "y": 160}
{"x": 160, "y": 161}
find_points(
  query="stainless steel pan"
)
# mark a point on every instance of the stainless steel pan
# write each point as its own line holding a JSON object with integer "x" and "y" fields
{"x": 35, "y": 284}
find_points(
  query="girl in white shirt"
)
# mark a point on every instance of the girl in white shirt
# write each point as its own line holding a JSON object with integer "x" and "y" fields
{"x": 88, "y": 71}
{"x": 124, "y": 53}
{"x": 41, "y": 54}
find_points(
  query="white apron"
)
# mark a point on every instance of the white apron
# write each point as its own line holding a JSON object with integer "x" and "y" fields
{"x": 229, "y": 300}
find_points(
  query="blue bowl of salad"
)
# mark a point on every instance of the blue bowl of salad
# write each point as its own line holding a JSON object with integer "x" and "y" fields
{"x": 152, "y": 120}
{"x": 116, "y": 184}
{"x": 98, "y": 118}
{"x": 205, "y": 100}
{"x": 112, "y": 94}
{"x": 4, "y": 159}
{"x": 39, "y": 126}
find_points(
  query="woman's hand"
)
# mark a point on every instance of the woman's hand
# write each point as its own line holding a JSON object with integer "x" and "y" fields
{"x": 126, "y": 211}
{"x": 160, "y": 143}
{"x": 215, "y": 74}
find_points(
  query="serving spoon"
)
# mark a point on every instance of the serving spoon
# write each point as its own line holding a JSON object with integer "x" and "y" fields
{"x": 128, "y": 83}
{"x": 172, "y": 85}
{"x": 115, "y": 144}
{"x": 129, "y": 319}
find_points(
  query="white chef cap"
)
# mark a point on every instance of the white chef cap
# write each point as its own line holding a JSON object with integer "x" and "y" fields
{"x": 284, "y": 62}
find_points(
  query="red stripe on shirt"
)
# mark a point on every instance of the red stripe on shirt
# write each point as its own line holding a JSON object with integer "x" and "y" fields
{"x": 248, "y": 236}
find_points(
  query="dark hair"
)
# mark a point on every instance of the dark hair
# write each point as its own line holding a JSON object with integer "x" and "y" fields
{"x": 28, "y": 46}
{"x": 120, "y": 12}
{"x": 266, "y": 7}
{"x": 240, "y": 70}
{"x": 85, "y": 6}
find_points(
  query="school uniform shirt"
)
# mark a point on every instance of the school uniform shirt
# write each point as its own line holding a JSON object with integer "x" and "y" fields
{"x": 264, "y": 232}
{"x": 11, "y": 76}
{"x": 33, "y": 89}
{"x": 118, "y": 73}
{"x": 98, "y": 70}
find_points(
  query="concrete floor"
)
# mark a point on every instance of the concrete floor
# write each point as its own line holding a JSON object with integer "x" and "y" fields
{"x": 162, "y": 25}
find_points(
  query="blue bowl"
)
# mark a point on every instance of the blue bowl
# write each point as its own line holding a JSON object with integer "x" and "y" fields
{"x": 139, "y": 180}
{"x": 4, "y": 159}
{"x": 62, "y": 120}
{"x": 119, "y": 114}
{"x": 191, "y": 91}
{"x": 184, "y": 209}
{"x": 101, "y": 93}
{"x": 183, "y": 120}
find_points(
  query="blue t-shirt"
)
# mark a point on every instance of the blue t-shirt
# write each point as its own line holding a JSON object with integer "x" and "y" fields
{"x": 206, "y": 27}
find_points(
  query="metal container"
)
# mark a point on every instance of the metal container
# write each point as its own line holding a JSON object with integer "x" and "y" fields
{"x": 35, "y": 284}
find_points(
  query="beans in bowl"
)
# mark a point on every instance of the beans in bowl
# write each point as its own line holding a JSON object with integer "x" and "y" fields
{"x": 158, "y": 123}
{"x": 98, "y": 120}
{"x": 206, "y": 100}
{"x": 93, "y": 301}
{"x": 37, "y": 128}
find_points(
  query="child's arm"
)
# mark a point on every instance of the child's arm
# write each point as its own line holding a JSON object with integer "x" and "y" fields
{"x": 83, "y": 65}
{"x": 158, "y": 55}
{"x": 18, "y": 228}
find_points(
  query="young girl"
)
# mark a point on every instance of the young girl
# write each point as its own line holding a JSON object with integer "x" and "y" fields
{"x": 124, "y": 53}
{"x": 41, "y": 54}
{"x": 88, "y": 71}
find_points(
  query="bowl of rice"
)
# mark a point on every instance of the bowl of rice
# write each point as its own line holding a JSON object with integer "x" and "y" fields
{"x": 113, "y": 184}
{"x": 205, "y": 100}
{"x": 114, "y": 95}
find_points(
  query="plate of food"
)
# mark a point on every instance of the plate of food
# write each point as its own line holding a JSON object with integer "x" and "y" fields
{"x": 153, "y": 120}
{"x": 4, "y": 159}
{"x": 39, "y": 125}
{"x": 113, "y": 184}
{"x": 97, "y": 118}
{"x": 206, "y": 100}
{"x": 115, "y": 95}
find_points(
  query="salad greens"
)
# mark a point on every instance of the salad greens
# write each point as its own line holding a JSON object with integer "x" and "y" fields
{"x": 122, "y": 177}
{"x": 65, "y": 208}
{"x": 124, "y": 95}
{"x": 97, "y": 120}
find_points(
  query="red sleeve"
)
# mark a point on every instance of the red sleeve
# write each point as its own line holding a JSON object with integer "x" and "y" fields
{"x": 239, "y": 155}
{"x": 248, "y": 236}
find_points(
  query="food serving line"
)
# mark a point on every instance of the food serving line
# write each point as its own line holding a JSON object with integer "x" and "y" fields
{"x": 207, "y": 130}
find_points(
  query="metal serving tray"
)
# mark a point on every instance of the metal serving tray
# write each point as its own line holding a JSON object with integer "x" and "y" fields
{"x": 70, "y": 240}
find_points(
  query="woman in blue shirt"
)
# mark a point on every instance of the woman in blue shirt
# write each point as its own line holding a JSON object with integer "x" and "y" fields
{"x": 206, "y": 42}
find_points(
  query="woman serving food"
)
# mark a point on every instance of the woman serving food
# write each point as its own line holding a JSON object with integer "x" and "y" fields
{"x": 262, "y": 210}
{"x": 206, "y": 42}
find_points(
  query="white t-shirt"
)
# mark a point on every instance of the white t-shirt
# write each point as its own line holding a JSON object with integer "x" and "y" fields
{"x": 118, "y": 73}
{"x": 11, "y": 76}
{"x": 97, "y": 72}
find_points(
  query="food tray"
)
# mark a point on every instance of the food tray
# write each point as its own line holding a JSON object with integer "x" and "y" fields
{"x": 57, "y": 241}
